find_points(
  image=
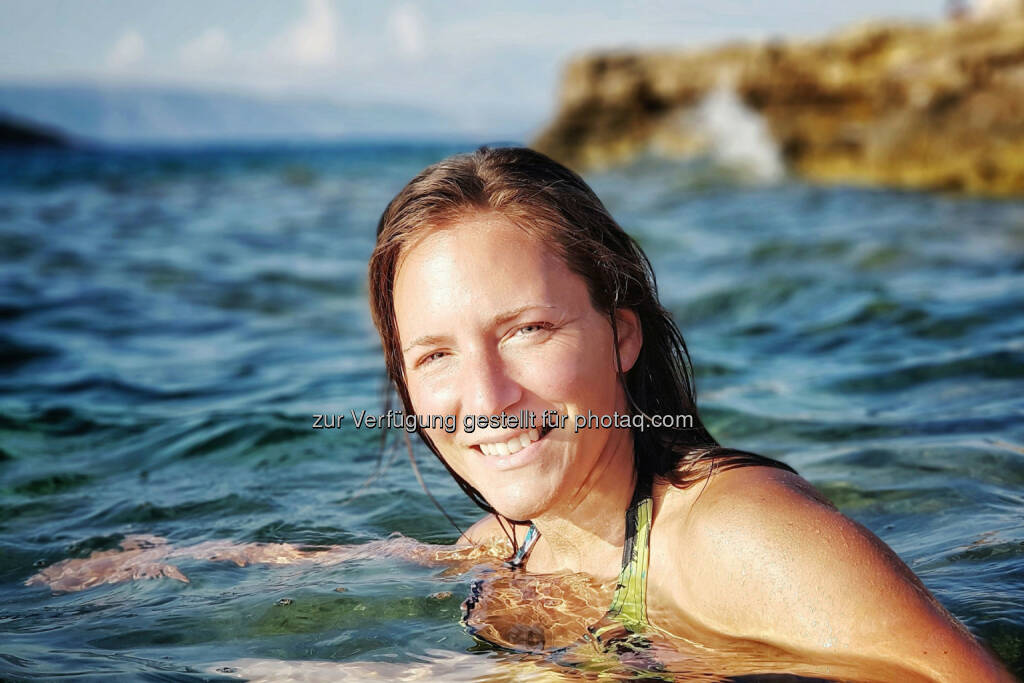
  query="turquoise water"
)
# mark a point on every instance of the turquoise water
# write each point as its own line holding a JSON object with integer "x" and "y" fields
{"x": 171, "y": 320}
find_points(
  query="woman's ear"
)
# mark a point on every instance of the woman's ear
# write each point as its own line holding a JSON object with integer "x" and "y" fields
{"x": 631, "y": 337}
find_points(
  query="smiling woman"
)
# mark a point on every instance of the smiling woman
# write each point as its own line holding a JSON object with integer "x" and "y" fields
{"x": 501, "y": 286}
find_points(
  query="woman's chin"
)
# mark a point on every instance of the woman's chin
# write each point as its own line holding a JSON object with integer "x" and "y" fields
{"x": 520, "y": 507}
{"x": 528, "y": 492}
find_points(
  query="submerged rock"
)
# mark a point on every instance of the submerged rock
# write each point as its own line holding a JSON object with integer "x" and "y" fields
{"x": 938, "y": 107}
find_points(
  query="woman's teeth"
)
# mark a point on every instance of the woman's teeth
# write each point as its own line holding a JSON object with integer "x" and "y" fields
{"x": 513, "y": 445}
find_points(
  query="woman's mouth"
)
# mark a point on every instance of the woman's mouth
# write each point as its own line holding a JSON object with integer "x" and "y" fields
{"x": 514, "y": 444}
{"x": 520, "y": 450}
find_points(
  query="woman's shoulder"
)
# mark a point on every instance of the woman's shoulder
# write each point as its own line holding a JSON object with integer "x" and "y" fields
{"x": 753, "y": 520}
{"x": 733, "y": 494}
{"x": 766, "y": 557}
{"x": 737, "y": 496}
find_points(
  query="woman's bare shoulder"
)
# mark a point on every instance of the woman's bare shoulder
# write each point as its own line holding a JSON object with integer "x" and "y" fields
{"x": 769, "y": 558}
{"x": 755, "y": 485}
{"x": 739, "y": 496}
{"x": 770, "y": 522}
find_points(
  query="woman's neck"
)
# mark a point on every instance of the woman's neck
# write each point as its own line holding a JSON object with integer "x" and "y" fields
{"x": 586, "y": 532}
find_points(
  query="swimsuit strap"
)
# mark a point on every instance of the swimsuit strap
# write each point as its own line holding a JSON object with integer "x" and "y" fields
{"x": 519, "y": 558}
{"x": 629, "y": 604}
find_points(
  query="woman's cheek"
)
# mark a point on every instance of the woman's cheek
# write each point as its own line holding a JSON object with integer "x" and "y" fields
{"x": 553, "y": 363}
{"x": 430, "y": 395}
{"x": 437, "y": 399}
{"x": 573, "y": 377}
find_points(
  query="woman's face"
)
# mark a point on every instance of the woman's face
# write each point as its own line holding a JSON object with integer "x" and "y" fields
{"x": 491, "y": 322}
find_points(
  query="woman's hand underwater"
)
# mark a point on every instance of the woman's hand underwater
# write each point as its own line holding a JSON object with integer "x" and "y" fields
{"x": 146, "y": 557}
{"x": 139, "y": 558}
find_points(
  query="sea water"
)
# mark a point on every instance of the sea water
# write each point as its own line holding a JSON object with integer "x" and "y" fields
{"x": 171, "y": 321}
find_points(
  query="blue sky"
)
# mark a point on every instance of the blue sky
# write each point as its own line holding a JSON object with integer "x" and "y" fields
{"x": 492, "y": 66}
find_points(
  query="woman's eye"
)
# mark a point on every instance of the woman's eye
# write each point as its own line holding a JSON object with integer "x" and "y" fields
{"x": 532, "y": 328}
{"x": 431, "y": 357}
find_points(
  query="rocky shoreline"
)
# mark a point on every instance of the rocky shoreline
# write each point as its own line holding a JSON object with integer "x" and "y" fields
{"x": 932, "y": 107}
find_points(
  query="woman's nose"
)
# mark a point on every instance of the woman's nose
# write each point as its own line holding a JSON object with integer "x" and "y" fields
{"x": 487, "y": 387}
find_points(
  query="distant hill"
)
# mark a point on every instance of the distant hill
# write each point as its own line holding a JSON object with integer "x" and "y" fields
{"x": 123, "y": 114}
{"x": 16, "y": 133}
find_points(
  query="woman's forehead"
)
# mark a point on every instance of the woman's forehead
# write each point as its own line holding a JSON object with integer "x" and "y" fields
{"x": 477, "y": 245}
{"x": 468, "y": 229}
{"x": 478, "y": 265}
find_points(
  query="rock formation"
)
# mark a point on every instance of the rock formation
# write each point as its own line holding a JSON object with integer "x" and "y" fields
{"x": 937, "y": 107}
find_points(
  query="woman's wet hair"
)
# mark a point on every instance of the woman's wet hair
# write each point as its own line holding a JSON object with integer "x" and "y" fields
{"x": 555, "y": 205}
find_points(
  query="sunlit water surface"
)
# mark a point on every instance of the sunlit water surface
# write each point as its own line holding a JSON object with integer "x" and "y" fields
{"x": 172, "y": 320}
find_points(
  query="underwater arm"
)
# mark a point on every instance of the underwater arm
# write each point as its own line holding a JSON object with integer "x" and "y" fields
{"x": 150, "y": 557}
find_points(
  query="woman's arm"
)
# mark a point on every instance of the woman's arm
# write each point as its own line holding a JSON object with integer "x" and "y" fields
{"x": 780, "y": 565}
{"x": 149, "y": 557}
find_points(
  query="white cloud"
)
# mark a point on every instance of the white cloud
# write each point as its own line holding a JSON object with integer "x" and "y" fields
{"x": 406, "y": 27}
{"x": 313, "y": 39}
{"x": 127, "y": 51}
{"x": 208, "y": 47}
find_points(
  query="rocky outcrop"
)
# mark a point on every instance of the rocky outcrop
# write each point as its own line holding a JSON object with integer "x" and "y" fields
{"x": 937, "y": 107}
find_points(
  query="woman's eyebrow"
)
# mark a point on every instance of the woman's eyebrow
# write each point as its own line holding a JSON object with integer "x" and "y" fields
{"x": 431, "y": 339}
{"x": 514, "y": 313}
{"x": 425, "y": 340}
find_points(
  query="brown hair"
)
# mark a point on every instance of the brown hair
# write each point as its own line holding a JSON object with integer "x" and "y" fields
{"x": 554, "y": 204}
